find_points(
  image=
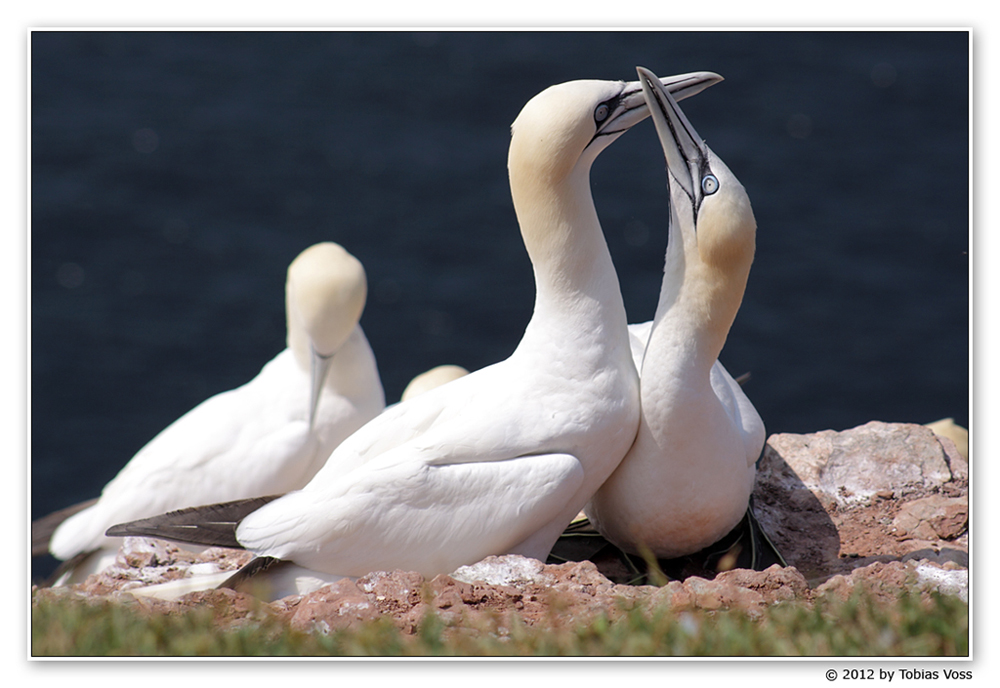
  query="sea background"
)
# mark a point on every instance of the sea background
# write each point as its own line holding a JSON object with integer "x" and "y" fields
{"x": 174, "y": 175}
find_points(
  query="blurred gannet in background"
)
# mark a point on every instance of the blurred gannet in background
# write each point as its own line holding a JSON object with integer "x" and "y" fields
{"x": 947, "y": 427}
{"x": 686, "y": 481}
{"x": 270, "y": 435}
{"x": 435, "y": 377}
{"x": 498, "y": 461}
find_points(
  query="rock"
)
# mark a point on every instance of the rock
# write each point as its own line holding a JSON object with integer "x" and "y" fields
{"x": 336, "y": 606}
{"x": 883, "y": 506}
{"x": 836, "y": 501}
{"x": 674, "y": 596}
{"x": 579, "y": 576}
{"x": 146, "y": 561}
{"x": 715, "y": 594}
{"x": 776, "y": 584}
{"x": 139, "y": 552}
{"x": 946, "y": 581}
{"x": 854, "y": 465}
{"x": 749, "y": 591}
{"x": 792, "y": 514}
{"x": 877, "y": 579}
{"x": 505, "y": 570}
{"x": 392, "y": 589}
{"x": 946, "y": 427}
{"x": 231, "y": 608}
{"x": 885, "y": 580}
{"x": 934, "y": 517}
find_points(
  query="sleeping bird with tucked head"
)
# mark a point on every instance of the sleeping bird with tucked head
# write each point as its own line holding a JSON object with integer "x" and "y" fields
{"x": 270, "y": 435}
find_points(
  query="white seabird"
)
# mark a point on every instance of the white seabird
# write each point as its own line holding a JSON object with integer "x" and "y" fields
{"x": 498, "y": 461}
{"x": 686, "y": 481}
{"x": 435, "y": 377}
{"x": 269, "y": 436}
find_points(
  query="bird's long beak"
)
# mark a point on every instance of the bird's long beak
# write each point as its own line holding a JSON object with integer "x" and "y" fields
{"x": 631, "y": 106}
{"x": 319, "y": 366}
{"x": 684, "y": 150}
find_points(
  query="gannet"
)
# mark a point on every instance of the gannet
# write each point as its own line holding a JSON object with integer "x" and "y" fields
{"x": 435, "y": 377}
{"x": 270, "y": 435}
{"x": 947, "y": 427}
{"x": 498, "y": 461}
{"x": 686, "y": 481}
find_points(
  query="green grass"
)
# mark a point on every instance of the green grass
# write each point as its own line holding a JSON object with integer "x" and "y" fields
{"x": 857, "y": 627}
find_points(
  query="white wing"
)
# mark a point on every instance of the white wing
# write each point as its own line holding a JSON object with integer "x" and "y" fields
{"x": 740, "y": 410}
{"x": 400, "y": 512}
{"x": 484, "y": 415}
{"x": 463, "y": 471}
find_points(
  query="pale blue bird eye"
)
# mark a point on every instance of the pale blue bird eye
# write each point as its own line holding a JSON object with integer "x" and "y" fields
{"x": 709, "y": 185}
{"x": 601, "y": 113}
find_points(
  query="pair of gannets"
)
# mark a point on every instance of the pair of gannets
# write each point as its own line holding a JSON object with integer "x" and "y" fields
{"x": 500, "y": 460}
{"x": 270, "y": 435}
{"x": 687, "y": 479}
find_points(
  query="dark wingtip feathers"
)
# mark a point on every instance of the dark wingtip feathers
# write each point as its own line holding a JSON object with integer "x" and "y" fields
{"x": 212, "y": 525}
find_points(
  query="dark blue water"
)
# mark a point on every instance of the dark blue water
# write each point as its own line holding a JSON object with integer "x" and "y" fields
{"x": 175, "y": 175}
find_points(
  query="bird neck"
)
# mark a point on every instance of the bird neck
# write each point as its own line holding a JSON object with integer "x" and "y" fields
{"x": 353, "y": 372}
{"x": 297, "y": 339}
{"x": 300, "y": 344}
{"x": 569, "y": 255}
{"x": 701, "y": 294}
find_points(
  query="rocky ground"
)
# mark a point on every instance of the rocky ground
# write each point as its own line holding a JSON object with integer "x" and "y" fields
{"x": 884, "y": 505}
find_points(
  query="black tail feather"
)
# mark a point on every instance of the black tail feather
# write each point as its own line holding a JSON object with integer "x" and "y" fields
{"x": 212, "y": 525}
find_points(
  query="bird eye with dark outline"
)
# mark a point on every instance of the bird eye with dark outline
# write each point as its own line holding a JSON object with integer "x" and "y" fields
{"x": 601, "y": 113}
{"x": 709, "y": 184}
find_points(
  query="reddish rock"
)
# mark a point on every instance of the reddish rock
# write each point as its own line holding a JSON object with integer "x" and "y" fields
{"x": 853, "y": 465}
{"x": 833, "y": 501}
{"x": 674, "y": 596}
{"x": 776, "y": 584}
{"x": 933, "y": 517}
{"x": 336, "y": 606}
{"x": 883, "y": 506}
